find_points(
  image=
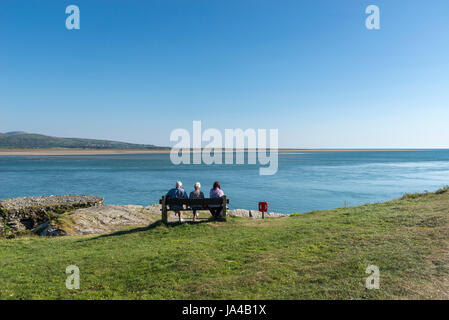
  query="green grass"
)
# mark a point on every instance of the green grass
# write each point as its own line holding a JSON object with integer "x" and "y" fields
{"x": 317, "y": 255}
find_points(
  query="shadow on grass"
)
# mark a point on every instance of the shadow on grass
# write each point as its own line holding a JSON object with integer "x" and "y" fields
{"x": 124, "y": 232}
{"x": 171, "y": 224}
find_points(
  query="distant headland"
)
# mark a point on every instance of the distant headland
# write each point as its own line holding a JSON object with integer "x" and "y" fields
{"x": 26, "y": 143}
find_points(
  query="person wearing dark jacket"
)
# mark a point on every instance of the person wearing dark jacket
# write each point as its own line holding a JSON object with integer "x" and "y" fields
{"x": 177, "y": 193}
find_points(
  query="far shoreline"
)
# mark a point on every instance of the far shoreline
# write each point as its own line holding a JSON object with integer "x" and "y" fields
{"x": 93, "y": 152}
{"x": 77, "y": 152}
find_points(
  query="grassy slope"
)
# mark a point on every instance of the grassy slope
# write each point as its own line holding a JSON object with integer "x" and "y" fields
{"x": 316, "y": 255}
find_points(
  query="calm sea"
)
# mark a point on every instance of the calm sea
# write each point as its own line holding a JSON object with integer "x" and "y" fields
{"x": 304, "y": 182}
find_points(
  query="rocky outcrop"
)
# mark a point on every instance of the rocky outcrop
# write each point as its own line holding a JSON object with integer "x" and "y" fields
{"x": 49, "y": 230}
{"x": 109, "y": 218}
{"x": 253, "y": 214}
{"x": 20, "y": 214}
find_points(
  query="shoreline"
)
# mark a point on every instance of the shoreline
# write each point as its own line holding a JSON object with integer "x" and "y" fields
{"x": 87, "y": 152}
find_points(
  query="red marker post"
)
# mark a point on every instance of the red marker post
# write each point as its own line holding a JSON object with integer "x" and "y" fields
{"x": 263, "y": 207}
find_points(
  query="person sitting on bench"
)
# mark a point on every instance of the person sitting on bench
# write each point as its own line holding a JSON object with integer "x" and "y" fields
{"x": 215, "y": 209}
{"x": 177, "y": 193}
{"x": 197, "y": 194}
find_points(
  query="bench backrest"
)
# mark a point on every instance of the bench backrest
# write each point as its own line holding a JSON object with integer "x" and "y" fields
{"x": 194, "y": 202}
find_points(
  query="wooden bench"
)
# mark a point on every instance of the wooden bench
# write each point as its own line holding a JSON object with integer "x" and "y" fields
{"x": 200, "y": 204}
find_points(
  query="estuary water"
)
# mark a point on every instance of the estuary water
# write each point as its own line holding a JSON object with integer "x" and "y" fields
{"x": 307, "y": 181}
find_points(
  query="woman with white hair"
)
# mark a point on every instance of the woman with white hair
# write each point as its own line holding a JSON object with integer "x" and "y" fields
{"x": 197, "y": 194}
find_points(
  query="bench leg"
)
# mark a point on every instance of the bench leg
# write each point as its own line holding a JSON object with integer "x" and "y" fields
{"x": 224, "y": 208}
{"x": 164, "y": 210}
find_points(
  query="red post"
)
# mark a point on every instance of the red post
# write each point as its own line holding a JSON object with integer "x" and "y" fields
{"x": 263, "y": 207}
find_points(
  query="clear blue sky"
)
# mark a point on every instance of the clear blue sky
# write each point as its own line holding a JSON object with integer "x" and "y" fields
{"x": 136, "y": 70}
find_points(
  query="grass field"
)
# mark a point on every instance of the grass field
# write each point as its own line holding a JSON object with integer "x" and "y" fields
{"x": 317, "y": 255}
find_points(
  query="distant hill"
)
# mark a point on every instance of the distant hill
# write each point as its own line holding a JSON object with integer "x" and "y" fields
{"x": 19, "y": 139}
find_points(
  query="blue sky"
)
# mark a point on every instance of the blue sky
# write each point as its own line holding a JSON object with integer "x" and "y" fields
{"x": 136, "y": 70}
